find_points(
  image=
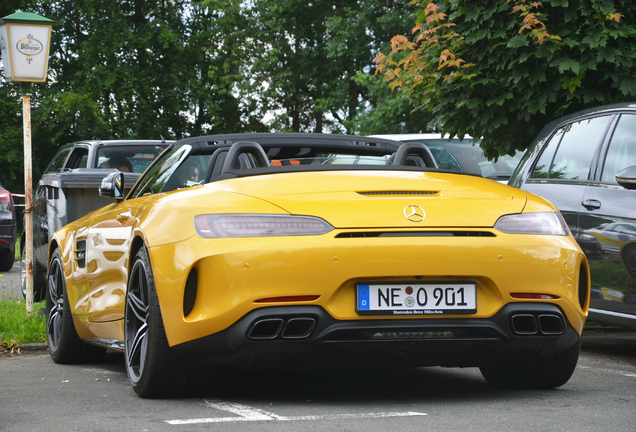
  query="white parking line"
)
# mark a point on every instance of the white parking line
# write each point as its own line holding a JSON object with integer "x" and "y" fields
{"x": 610, "y": 371}
{"x": 249, "y": 414}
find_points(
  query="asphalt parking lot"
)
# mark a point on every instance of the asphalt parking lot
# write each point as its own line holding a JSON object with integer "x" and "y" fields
{"x": 38, "y": 394}
{"x": 10, "y": 283}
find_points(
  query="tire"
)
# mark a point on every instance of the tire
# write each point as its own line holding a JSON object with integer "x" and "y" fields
{"x": 6, "y": 261}
{"x": 539, "y": 373}
{"x": 39, "y": 289}
{"x": 65, "y": 346}
{"x": 153, "y": 368}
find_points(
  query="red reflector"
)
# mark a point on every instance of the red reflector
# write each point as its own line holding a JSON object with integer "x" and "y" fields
{"x": 287, "y": 299}
{"x": 533, "y": 296}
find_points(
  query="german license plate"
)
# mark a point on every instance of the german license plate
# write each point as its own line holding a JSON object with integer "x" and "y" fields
{"x": 416, "y": 299}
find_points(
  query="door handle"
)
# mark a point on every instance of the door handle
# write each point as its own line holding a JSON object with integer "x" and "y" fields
{"x": 124, "y": 217}
{"x": 591, "y": 204}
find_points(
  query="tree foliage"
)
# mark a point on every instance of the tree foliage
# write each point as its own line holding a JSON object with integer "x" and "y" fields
{"x": 503, "y": 69}
{"x": 306, "y": 56}
{"x": 131, "y": 70}
{"x": 122, "y": 69}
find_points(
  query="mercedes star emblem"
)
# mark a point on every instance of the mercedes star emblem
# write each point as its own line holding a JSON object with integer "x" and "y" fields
{"x": 414, "y": 213}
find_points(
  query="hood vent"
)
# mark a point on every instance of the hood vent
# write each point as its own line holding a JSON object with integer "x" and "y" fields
{"x": 399, "y": 193}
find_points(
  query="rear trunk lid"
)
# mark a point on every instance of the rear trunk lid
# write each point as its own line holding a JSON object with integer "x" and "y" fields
{"x": 385, "y": 199}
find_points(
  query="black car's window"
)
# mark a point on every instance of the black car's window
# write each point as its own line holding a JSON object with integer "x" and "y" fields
{"x": 159, "y": 174}
{"x": 445, "y": 159}
{"x": 58, "y": 160}
{"x": 128, "y": 158}
{"x": 542, "y": 168}
{"x": 575, "y": 145}
{"x": 191, "y": 172}
{"x": 622, "y": 149}
{"x": 78, "y": 158}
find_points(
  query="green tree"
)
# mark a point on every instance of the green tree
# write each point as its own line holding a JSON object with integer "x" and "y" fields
{"x": 359, "y": 99}
{"x": 305, "y": 57}
{"x": 503, "y": 69}
{"x": 221, "y": 87}
{"x": 131, "y": 70}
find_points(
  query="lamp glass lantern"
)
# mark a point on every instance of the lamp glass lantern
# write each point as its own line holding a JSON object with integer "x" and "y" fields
{"x": 24, "y": 43}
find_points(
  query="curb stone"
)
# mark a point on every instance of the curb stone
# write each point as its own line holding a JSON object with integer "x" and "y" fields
{"x": 34, "y": 346}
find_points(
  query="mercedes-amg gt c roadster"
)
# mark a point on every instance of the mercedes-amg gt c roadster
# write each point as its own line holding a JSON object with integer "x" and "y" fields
{"x": 312, "y": 250}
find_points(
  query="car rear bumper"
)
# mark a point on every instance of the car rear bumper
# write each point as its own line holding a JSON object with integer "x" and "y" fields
{"x": 7, "y": 235}
{"x": 307, "y": 336}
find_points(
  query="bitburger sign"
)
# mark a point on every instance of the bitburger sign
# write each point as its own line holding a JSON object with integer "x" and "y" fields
{"x": 24, "y": 45}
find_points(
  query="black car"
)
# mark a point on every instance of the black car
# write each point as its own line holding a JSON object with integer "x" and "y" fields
{"x": 462, "y": 155}
{"x": 585, "y": 163}
{"x": 68, "y": 190}
{"x": 7, "y": 230}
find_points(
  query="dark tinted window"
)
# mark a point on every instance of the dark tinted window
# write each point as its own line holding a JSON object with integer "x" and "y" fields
{"x": 622, "y": 150}
{"x": 58, "y": 160}
{"x": 128, "y": 158}
{"x": 575, "y": 145}
{"x": 78, "y": 159}
{"x": 445, "y": 160}
{"x": 157, "y": 177}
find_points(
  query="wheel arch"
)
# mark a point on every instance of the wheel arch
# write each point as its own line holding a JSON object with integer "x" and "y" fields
{"x": 137, "y": 243}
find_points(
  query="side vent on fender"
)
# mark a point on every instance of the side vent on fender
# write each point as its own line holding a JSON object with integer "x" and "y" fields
{"x": 80, "y": 253}
{"x": 190, "y": 293}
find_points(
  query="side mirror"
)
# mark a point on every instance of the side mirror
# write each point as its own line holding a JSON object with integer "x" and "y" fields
{"x": 112, "y": 186}
{"x": 627, "y": 177}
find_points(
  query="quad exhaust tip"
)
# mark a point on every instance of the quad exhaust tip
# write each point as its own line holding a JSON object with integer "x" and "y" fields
{"x": 526, "y": 324}
{"x": 282, "y": 328}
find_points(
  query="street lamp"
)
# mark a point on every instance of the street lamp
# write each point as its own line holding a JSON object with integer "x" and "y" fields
{"x": 24, "y": 44}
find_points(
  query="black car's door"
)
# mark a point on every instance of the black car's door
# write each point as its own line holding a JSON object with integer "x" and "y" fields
{"x": 608, "y": 213}
{"x": 564, "y": 168}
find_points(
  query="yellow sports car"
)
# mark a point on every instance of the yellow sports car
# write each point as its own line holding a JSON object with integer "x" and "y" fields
{"x": 311, "y": 250}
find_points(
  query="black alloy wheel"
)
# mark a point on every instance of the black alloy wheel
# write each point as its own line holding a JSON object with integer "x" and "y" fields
{"x": 65, "y": 346}
{"x": 136, "y": 326}
{"x": 55, "y": 305}
{"x": 153, "y": 368}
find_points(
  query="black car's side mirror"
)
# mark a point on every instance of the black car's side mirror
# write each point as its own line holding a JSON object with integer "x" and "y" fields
{"x": 627, "y": 177}
{"x": 112, "y": 186}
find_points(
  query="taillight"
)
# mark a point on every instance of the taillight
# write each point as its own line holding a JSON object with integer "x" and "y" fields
{"x": 258, "y": 225}
{"x": 533, "y": 223}
{"x": 5, "y": 197}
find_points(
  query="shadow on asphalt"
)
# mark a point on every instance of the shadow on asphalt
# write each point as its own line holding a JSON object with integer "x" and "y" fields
{"x": 610, "y": 341}
{"x": 388, "y": 384}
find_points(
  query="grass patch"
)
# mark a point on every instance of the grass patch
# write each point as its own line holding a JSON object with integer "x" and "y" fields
{"x": 17, "y": 326}
{"x": 17, "y": 247}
